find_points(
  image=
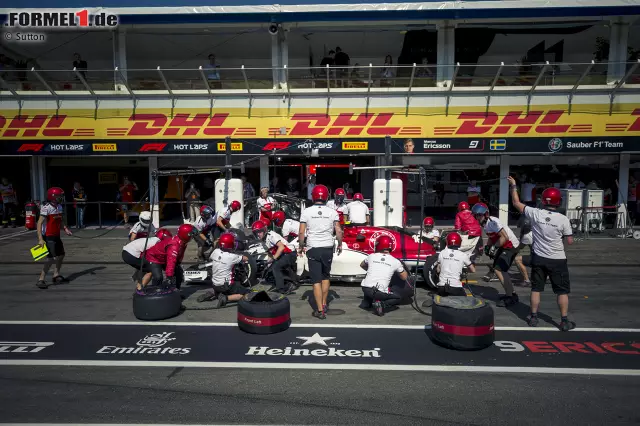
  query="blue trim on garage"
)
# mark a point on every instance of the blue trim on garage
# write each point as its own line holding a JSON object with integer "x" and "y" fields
{"x": 46, "y": 4}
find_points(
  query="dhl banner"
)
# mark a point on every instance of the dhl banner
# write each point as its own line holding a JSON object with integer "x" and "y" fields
{"x": 589, "y": 128}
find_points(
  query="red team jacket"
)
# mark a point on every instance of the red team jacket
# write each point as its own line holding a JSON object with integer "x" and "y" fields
{"x": 169, "y": 253}
{"x": 466, "y": 222}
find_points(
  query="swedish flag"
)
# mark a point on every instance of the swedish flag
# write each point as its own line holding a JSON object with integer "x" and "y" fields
{"x": 497, "y": 144}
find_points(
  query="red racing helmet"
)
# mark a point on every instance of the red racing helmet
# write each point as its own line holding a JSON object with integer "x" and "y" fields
{"x": 454, "y": 239}
{"x": 55, "y": 195}
{"x": 278, "y": 218}
{"x": 235, "y": 206}
{"x": 463, "y": 205}
{"x": 551, "y": 197}
{"x": 384, "y": 242}
{"x": 227, "y": 241}
{"x": 186, "y": 232}
{"x": 358, "y": 196}
{"x": 480, "y": 209}
{"x": 428, "y": 223}
{"x": 258, "y": 227}
{"x": 206, "y": 212}
{"x": 163, "y": 234}
{"x": 340, "y": 194}
{"x": 320, "y": 193}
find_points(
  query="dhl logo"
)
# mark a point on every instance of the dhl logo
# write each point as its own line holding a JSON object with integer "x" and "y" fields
{"x": 346, "y": 124}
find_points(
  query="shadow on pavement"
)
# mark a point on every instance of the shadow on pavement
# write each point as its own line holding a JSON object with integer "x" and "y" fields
{"x": 90, "y": 271}
{"x": 308, "y": 295}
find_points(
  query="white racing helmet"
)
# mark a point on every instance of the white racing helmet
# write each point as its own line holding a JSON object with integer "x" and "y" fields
{"x": 145, "y": 219}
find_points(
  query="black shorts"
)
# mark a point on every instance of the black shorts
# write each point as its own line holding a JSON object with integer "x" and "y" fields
{"x": 320, "y": 259}
{"x": 233, "y": 288}
{"x": 557, "y": 271}
{"x": 131, "y": 260}
{"x": 505, "y": 258}
{"x": 55, "y": 246}
{"x": 445, "y": 290}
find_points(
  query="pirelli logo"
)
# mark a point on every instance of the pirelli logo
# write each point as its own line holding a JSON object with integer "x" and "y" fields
{"x": 355, "y": 146}
{"x": 235, "y": 146}
{"x": 105, "y": 147}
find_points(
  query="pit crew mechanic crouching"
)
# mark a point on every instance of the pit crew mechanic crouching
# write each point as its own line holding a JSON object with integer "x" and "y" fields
{"x": 205, "y": 224}
{"x": 548, "y": 258}
{"x": 132, "y": 252}
{"x": 317, "y": 226}
{"x": 289, "y": 227}
{"x": 432, "y": 235}
{"x": 503, "y": 247}
{"x": 143, "y": 227}
{"x": 223, "y": 217}
{"x": 282, "y": 253}
{"x": 465, "y": 222}
{"x": 380, "y": 267}
{"x": 49, "y": 224}
{"x": 223, "y": 260}
{"x": 451, "y": 262}
{"x": 168, "y": 255}
{"x": 357, "y": 212}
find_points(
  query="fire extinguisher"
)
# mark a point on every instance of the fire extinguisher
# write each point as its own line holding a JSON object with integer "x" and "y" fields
{"x": 30, "y": 211}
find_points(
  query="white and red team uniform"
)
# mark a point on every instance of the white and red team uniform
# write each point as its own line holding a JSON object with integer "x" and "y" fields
{"x": 452, "y": 262}
{"x": 267, "y": 204}
{"x": 222, "y": 277}
{"x": 141, "y": 231}
{"x": 290, "y": 228}
{"x": 340, "y": 208}
{"x": 493, "y": 227}
{"x": 206, "y": 226}
{"x": 51, "y": 228}
{"x": 357, "y": 211}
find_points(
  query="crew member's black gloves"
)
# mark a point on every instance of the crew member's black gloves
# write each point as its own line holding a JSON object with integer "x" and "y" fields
{"x": 491, "y": 251}
{"x": 171, "y": 281}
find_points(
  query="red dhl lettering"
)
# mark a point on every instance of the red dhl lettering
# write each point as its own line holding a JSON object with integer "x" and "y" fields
{"x": 480, "y": 123}
{"x": 635, "y": 127}
{"x": 155, "y": 124}
{"x": 321, "y": 124}
{"x": 31, "y": 127}
{"x": 157, "y": 147}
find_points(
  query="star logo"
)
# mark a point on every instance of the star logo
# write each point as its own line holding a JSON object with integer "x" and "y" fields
{"x": 315, "y": 339}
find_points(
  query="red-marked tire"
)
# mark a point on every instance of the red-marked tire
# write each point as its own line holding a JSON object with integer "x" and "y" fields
{"x": 462, "y": 323}
{"x": 157, "y": 306}
{"x": 264, "y": 313}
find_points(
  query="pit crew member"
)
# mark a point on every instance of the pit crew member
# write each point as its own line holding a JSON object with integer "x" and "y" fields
{"x": 381, "y": 267}
{"x": 432, "y": 235}
{"x": 357, "y": 212}
{"x": 265, "y": 204}
{"x": 465, "y": 222}
{"x": 143, "y": 227}
{"x": 502, "y": 246}
{"x": 9, "y": 203}
{"x": 338, "y": 203}
{"x": 168, "y": 255}
{"x": 317, "y": 226}
{"x": 133, "y": 251}
{"x": 526, "y": 240}
{"x": 289, "y": 227}
{"x": 205, "y": 224}
{"x": 223, "y": 260}
{"x": 223, "y": 217}
{"x": 49, "y": 224}
{"x": 548, "y": 227}
{"x": 283, "y": 255}
{"x": 451, "y": 262}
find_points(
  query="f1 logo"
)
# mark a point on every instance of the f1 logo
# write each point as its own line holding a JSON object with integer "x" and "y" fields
{"x": 276, "y": 145}
{"x": 25, "y": 147}
{"x": 157, "y": 147}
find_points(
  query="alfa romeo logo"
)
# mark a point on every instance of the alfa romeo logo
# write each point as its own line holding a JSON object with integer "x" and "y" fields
{"x": 378, "y": 234}
{"x": 555, "y": 145}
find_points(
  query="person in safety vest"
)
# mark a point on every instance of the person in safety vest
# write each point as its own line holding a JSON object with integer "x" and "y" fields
{"x": 283, "y": 256}
{"x": 549, "y": 229}
{"x": 223, "y": 218}
{"x": 9, "y": 203}
{"x": 432, "y": 235}
{"x": 224, "y": 259}
{"x": 167, "y": 255}
{"x": 467, "y": 223}
{"x": 134, "y": 250}
{"x": 317, "y": 226}
{"x": 143, "y": 227}
{"x": 265, "y": 204}
{"x": 205, "y": 224}
{"x": 376, "y": 286}
{"x": 338, "y": 203}
{"x": 357, "y": 212}
{"x": 502, "y": 246}
{"x": 451, "y": 262}
{"x": 50, "y": 223}
{"x": 289, "y": 227}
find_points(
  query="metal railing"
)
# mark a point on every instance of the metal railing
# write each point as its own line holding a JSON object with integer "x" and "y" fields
{"x": 402, "y": 79}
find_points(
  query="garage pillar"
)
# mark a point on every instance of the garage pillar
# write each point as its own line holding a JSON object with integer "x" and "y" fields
{"x": 623, "y": 190}
{"x": 120, "y": 58}
{"x": 264, "y": 172}
{"x": 38, "y": 178}
{"x": 380, "y": 161}
{"x": 503, "y": 202}
{"x": 153, "y": 192}
{"x": 618, "y": 55}
{"x": 446, "y": 53}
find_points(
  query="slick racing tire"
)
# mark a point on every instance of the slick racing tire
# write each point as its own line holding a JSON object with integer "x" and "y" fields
{"x": 462, "y": 323}
{"x": 158, "y": 305}
{"x": 264, "y": 313}
{"x": 430, "y": 272}
{"x": 245, "y": 273}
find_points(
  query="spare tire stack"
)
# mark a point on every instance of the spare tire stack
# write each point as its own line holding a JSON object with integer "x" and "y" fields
{"x": 264, "y": 313}
{"x": 462, "y": 323}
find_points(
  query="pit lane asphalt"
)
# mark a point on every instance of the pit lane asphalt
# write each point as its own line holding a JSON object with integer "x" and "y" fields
{"x": 602, "y": 296}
